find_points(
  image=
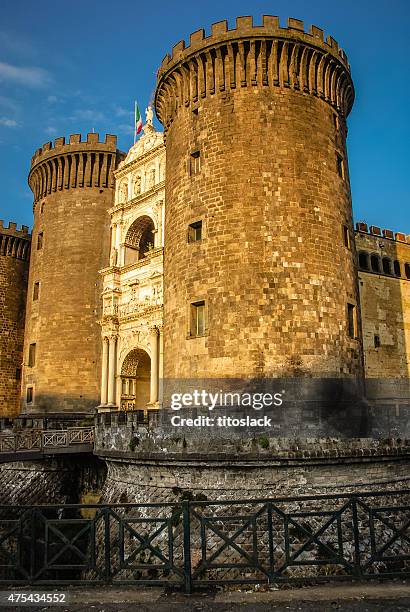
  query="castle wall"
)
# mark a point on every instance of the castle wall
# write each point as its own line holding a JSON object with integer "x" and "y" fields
{"x": 14, "y": 263}
{"x": 73, "y": 188}
{"x": 385, "y": 305}
{"x": 265, "y": 109}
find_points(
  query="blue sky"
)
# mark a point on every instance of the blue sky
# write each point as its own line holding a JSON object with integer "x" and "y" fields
{"x": 68, "y": 67}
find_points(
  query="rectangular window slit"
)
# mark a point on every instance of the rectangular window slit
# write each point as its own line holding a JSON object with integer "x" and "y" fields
{"x": 195, "y": 231}
{"x": 197, "y": 318}
{"x": 32, "y": 355}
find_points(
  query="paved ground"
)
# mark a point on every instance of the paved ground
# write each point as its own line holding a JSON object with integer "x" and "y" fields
{"x": 368, "y": 597}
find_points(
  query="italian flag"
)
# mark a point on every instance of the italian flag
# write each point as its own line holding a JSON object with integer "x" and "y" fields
{"x": 138, "y": 122}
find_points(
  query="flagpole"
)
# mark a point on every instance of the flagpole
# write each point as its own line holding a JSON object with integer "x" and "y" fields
{"x": 135, "y": 121}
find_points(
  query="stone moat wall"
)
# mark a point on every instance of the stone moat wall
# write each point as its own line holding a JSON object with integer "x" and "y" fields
{"x": 151, "y": 465}
{"x": 61, "y": 480}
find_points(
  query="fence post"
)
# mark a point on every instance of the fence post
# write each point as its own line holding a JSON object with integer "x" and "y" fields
{"x": 107, "y": 545}
{"x": 32, "y": 541}
{"x": 356, "y": 538}
{"x": 186, "y": 519}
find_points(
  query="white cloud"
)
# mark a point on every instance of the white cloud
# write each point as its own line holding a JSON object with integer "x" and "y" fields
{"x": 11, "y": 123}
{"x": 16, "y": 44}
{"x": 50, "y": 130}
{"x": 123, "y": 112}
{"x": 31, "y": 76}
{"x": 8, "y": 103}
{"x": 87, "y": 115}
{"x": 125, "y": 128}
{"x": 52, "y": 99}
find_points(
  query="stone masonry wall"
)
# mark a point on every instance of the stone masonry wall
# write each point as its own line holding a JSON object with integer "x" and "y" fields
{"x": 14, "y": 257}
{"x": 73, "y": 186}
{"x": 51, "y": 481}
{"x": 149, "y": 464}
{"x": 273, "y": 195}
{"x": 385, "y": 305}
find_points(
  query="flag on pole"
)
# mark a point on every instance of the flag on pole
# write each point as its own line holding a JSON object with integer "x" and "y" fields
{"x": 137, "y": 122}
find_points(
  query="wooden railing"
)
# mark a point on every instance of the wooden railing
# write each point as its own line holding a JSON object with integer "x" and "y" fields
{"x": 46, "y": 440}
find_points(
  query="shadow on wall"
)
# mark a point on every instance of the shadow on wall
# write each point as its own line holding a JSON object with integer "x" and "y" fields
{"x": 50, "y": 403}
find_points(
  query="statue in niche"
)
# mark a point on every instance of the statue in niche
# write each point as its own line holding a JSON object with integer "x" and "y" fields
{"x": 137, "y": 185}
{"x": 113, "y": 256}
{"x": 151, "y": 178}
{"x": 124, "y": 192}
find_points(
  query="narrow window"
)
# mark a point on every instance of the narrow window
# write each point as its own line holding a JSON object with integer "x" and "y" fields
{"x": 363, "y": 260}
{"x": 18, "y": 373}
{"x": 397, "y": 269}
{"x": 197, "y": 318}
{"x": 32, "y": 355}
{"x": 346, "y": 237}
{"x": 195, "y": 231}
{"x": 36, "y": 291}
{"x": 386, "y": 265}
{"x": 40, "y": 241}
{"x": 351, "y": 320}
{"x": 407, "y": 270}
{"x": 375, "y": 263}
{"x": 376, "y": 341}
{"x": 195, "y": 163}
{"x": 29, "y": 395}
{"x": 340, "y": 165}
{"x": 42, "y": 208}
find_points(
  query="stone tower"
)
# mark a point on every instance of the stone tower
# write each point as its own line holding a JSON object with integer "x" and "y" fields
{"x": 259, "y": 263}
{"x": 73, "y": 187}
{"x": 14, "y": 258}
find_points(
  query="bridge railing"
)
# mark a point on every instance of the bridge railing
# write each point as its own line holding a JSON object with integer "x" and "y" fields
{"x": 45, "y": 440}
{"x": 193, "y": 543}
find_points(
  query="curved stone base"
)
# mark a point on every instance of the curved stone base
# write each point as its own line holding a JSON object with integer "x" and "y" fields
{"x": 145, "y": 481}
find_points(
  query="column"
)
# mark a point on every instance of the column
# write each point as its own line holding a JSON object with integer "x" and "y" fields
{"x": 104, "y": 372}
{"x": 154, "y": 366}
{"x": 161, "y": 365}
{"x": 111, "y": 370}
{"x": 118, "y": 237}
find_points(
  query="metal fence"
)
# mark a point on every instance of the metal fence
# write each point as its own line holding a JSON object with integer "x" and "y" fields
{"x": 45, "y": 440}
{"x": 198, "y": 543}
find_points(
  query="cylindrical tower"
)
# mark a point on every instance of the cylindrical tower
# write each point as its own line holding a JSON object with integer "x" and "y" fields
{"x": 259, "y": 268}
{"x": 14, "y": 258}
{"x": 73, "y": 187}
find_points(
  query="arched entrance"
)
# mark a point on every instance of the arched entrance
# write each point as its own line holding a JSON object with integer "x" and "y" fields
{"x": 135, "y": 380}
{"x": 140, "y": 239}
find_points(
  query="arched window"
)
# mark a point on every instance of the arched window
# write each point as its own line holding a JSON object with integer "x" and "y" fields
{"x": 375, "y": 263}
{"x": 139, "y": 239}
{"x": 397, "y": 269}
{"x": 386, "y": 265}
{"x": 407, "y": 270}
{"x": 364, "y": 260}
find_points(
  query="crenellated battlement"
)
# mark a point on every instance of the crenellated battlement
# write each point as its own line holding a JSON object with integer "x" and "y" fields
{"x": 74, "y": 164}
{"x": 377, "y": 232}
{"x": 251, "y": 55}
{"x": 245, "y": 27}
{"x": 12, "y": 229}
{"x": 60, "y": 145}
{"x": 14, "y": 242}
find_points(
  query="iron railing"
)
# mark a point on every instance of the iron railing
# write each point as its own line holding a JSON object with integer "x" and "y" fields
{"x": 45, "y": 440}
{"x": 198, "y": 543}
